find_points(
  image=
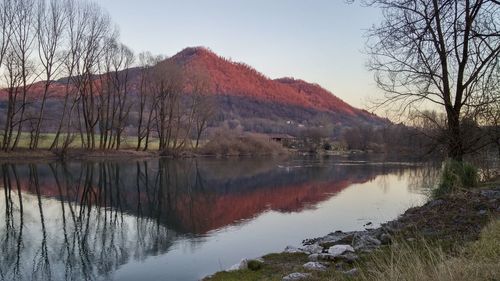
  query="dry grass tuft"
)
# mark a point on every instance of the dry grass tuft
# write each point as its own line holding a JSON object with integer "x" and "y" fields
{"x": 422, "y": 261}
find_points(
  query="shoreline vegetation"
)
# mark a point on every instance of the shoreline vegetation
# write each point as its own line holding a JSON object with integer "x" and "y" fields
{"x": 221, "y": 144}
{"x": 454, "y": 236}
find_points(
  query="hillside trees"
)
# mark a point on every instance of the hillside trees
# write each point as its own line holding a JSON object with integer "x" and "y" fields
{"x": 444, "y": 53}
{"x": 68, "y": 53}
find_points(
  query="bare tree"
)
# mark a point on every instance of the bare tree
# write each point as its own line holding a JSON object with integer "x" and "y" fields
{"x": 167, "y": 80}
{"x": 96, "y": 31}
{"x": 22, "y": 42}
{"x": 443, "y": 53}
{"x": 13, "y": 79}
{"x": 49, "y": 31}
{"x": 6, "y": 30}
{"x": 114, "y": 106}
{"x": 146, "y": 95}
{"x": 203, "y": 104}
{"x": 77, "y": 18}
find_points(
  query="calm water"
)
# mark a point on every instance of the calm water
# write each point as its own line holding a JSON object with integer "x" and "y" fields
{"x": 184, "y": 219}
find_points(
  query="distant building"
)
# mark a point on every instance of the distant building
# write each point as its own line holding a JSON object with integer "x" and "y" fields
{"x": 284, "y": 139}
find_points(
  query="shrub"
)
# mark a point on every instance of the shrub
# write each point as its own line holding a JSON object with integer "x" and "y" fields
{"x": 228, "y": 143}
{"x": 254, "y": 265}
{"x": 456, "y": 175}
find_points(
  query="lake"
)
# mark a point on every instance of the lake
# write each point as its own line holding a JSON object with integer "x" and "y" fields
{"x": 184, "y": 219}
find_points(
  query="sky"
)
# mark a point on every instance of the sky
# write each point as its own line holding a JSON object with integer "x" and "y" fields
{"x": 320, "y": 41}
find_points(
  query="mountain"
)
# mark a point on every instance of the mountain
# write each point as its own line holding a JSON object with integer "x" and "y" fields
{"x": 241, "y": 82}
{"x": 246, "y": 99}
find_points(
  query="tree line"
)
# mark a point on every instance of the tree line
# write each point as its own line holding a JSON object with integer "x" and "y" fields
{"x": 107, "y": 91}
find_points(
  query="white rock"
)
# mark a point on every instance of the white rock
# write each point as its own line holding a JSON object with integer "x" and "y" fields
{"x": 364, "y": 241}
{"x": 313, "y": 249}
{"x": 296, "y": 276}
{"x": 313, "y": 257}
{"x": 292, "y": 249}
{"x": 243, "y": 264}
{"x": 338, "y": 250}
{"x": 314, "y": 266}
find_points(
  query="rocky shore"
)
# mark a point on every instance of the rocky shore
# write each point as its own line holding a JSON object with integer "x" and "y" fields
{"x": 454, "y": 219}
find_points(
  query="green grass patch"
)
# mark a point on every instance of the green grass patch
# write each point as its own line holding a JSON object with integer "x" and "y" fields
{"x": 455, "y": 176}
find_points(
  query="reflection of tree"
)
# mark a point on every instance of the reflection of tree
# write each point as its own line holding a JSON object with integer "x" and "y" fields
{"x": 90, "y": 221}
{"x": 41, "y": 262}
{"x": 424, "y": 178}
{"x": 88, "y": 218}
{"x": 11, "y": 236}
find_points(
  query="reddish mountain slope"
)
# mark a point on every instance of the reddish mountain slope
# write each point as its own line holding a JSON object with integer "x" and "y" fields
{"x": 245, "y": 95}
{"x": 238, "y": 79}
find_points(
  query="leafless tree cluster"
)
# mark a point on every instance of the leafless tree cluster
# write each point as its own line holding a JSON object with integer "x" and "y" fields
{"x": 165, "y": 112}
{"x": 439, "y": 52}
{"x": 44, "y": 40}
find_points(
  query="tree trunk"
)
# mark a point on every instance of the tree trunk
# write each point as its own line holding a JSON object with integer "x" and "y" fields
{"x": 455, "y": 143}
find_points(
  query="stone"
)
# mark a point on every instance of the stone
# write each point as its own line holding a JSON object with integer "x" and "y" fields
{"x": 348, "y": 257}
{"x": 365, "y": 241}
{"x": 352, "y": 272}
{"x": 337, "y": 250}
{"x": 435, "y": 203}
{"x": 373, "y": 241}
{"x": 296, "y": 276}
{"x": 334, "y": 238}
{"x": 385, "y": 238}
{"x": 314, "y": 266}
{"x": 243, "y": 264}
{"x": 492, "y": 194}
{"x": 292, "y": 250}
{"x": 326, "y": 257}
{"x": 313, "y": 257}
{"x": 313, "y": 249}
{"x": 389, "y": 229}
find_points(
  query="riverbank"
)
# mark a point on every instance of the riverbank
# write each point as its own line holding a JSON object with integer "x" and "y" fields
{"x": 43, "y": 155}
{"x": 455, "y": 237}
{"x": 23, "y": 155}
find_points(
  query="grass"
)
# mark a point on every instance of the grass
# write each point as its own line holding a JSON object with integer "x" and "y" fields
{"x": 420, "y": 260}
{"x": 47, "y": 138}
{"x": 455, "y": 176}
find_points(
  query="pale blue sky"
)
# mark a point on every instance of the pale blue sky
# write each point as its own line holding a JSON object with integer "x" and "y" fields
{"x": 319, "y": 41}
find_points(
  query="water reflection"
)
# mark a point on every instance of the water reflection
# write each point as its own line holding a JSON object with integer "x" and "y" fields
{"x": 84, "y": 220}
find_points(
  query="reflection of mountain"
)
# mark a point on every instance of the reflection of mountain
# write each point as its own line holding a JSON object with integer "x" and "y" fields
{"x": 193, "y": 196}
{"x": 82, "y": 221}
